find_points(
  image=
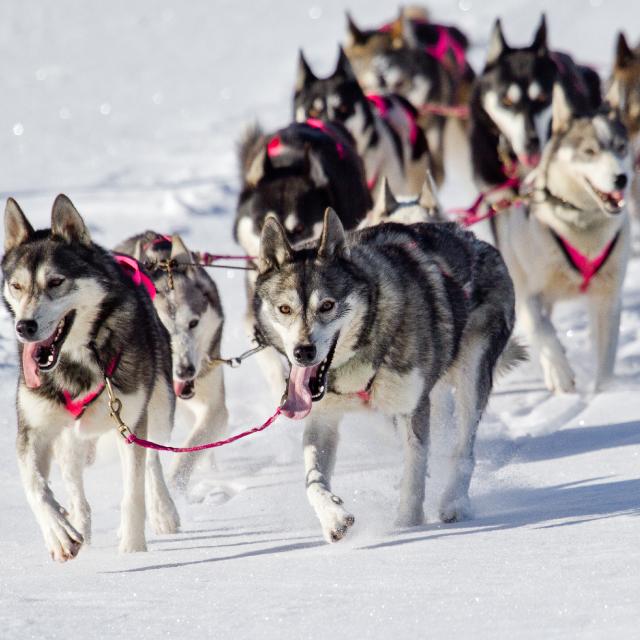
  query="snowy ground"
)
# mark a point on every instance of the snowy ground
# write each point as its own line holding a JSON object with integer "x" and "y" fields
{"x": 133, "y": 111}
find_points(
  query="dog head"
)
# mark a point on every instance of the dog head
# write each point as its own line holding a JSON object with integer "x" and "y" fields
{"x": 624, "y": 90}
{"x": 306, "y": 303}
{"x": 424, "y": 208}
{"x": 514, "y": 90}
{"x": 53, "y": 286}
{"x": 586, "y": 161}
{"x": 337, "y": 97}
{"x": 190, "y": 310}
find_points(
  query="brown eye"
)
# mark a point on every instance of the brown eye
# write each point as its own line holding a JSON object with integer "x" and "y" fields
{"x": 327, "y": 305}
{"x": 542, "y": 97}
{"x": 16, "y": 287}
{"x": 284, "y": 309}
{"x": 590, "y": 151}
{"x": 507, "y": 101}
{"x": 55, "y": 282}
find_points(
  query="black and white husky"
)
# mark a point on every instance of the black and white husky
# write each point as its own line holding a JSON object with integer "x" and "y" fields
{"x": 511, "y": 104}
{"x": 385, "y": 128}
{"x": 79, "y": 314}
{"x": 392, "y": 318}
{"x": 189, "y": 306}
{"x": 573, "y": 239}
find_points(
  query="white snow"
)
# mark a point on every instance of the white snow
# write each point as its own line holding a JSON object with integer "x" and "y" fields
{"x": 132, "y": 108}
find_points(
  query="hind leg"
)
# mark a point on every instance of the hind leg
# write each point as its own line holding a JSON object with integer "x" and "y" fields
{"x": 72, "y": 454}
{"x": 415, "y": 438}
{"x": 211, "y": 418}
{"x": 320, "y": 443}
{"x": 163, "y": 514}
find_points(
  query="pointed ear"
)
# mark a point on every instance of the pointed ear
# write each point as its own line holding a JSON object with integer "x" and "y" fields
{"x": 344, "y": 68}
{"x": 333, "y": 241}
{"x": 354, "y": 35}
{"x": 259, "y": 167}
{"x": 560, "y": 109}
{"x": 179, "y": 251}
{"x": 17, "y": 229}
{"x": 539, "y": 43}
{"x": 407, "y": 31}
{"x": 67, "y": 223}
{"x": 314, "y": 168}
{"x": 304, "y": 74}
{"x": 624, "y": 54}
{"x": 275, "y": 249}
{"x": 428, "y": 199}
{"x": 384, "y": 202}
{"x": 615, "y": 97}
{"x": 497, "y": 43}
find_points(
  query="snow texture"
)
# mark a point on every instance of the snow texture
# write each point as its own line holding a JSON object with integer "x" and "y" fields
{"x": 132, "y": 108}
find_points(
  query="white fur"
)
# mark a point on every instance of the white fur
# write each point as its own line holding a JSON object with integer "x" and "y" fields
{"x": 511, "y": 124}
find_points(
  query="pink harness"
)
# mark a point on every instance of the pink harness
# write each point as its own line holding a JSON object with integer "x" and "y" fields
{"x": 470, "y": 215}
{"x": 587, "y": 267}
{"x": 381, "y": 105}
{"x": 132, "y": 268}
{"x": 275, "y": 145}
{"x": 444, "y": 45}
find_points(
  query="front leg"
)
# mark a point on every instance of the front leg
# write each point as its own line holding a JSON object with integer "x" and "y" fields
{"x": 605, "y": 329}
{"x": 558, "y": 375}
{"x": 34, "y": 461}
{"x": 320, "y": 442}
{"x": 132, "y": 516}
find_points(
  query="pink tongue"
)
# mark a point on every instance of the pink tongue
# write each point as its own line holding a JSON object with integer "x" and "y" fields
{"x": 618, "y": 196}
{"x": 29, "y": 365}
{"x": 530, "y": 160}
{"x": 178, "y": 386}
{"x": 298, "y": 402}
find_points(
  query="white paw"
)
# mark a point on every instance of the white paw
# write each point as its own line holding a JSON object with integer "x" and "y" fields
{"x": 410, "y": 517}
{"x": 132, "y": 544}
{"x": 165, "y": 518}
{"x": 334, "y": 519}
{"x": 455, "y": 510}
{"x": 81, "y": 520}
{"x": 558, "y": 375}
{"x": 62, "y": 539}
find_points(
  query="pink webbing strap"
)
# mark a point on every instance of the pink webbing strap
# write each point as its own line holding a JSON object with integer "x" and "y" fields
{"x": 132, "y": 268}
{"x": 382, "y": 106}
{"x": 315, "y": 123}
{"x": 77, "y": 407}
{"x": 147, "y": 444}
{"x": 470, "y": 215}
{"x": 448, "y": 110}
{"x": 445, "y": 44}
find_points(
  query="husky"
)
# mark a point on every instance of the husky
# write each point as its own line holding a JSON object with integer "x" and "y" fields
{"x": 295, "y": 173}
{"x": 424, "y": 208}
{"x": 391, "y": 318}
{"x": 624, "y": 95}
{"x": 385, "y": 128}
{"x": 510, "y": 106}
{"x": 79, "y": 317}
{"x": 419, "y": 60}
{"x": 189, "y": 306}
{"x": 573, "y": 239}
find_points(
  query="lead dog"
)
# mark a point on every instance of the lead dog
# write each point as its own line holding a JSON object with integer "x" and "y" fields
{"x": 573, "y": 239}
{"x": 77, "y": 316}
{"x": 392, "y": 318}
{"x": 188, "y": 304}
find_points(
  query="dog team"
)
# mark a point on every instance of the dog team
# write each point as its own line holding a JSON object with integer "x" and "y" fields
{"x": 363, "y": 295}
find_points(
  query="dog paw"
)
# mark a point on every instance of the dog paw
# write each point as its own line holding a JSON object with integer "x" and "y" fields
{"x": 165, "y": 519}
{"x": 62, "y": 539}
{"x": 132, "y": 544}
{"x": 410, "y": 518}
{"x": 455, "y": 511}
{"x": 558, "y": 375}
{"x": 335, "y": 520}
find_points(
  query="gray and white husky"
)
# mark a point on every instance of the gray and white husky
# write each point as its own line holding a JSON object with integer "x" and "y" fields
{"x": 387, "y": 208}
{"x": 190, "y": 309}
{"x": 78, "y": 314}
{"x": 573, "y": 239}
{"x": 408, "y": 320}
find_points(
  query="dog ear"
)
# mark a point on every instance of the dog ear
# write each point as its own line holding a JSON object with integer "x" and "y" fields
{"x": 275, "y": 249}
{"x": 428, "y": 199}
{"x": 314, "y": 168}
{"x": 539, "y": 43}
{"x": 615, "y": 97}
{"x": 560, "y": 109}
{"x": 17, "y": 229}
{"x": 405, "y": 32}
{"x": 624, "y": 54}
{"x": 343, "y": 67}
{"x": 179, "y": 251}
{"x": 304, "y": 74}
{"x": 333, "y": 241}
{"x": 259, "y": 168}
{"x": 384, "y": 203}
{"x": 497, "y": 44}
{"x": 67, "y": 223}
{"x": 354, "y": 35}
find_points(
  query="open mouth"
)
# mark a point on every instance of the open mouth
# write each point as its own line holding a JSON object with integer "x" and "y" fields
{"x": 43, "y": 355}
{"x": 613, "y": 201}
{"x": 307, "y": 385}
{"x": 184, "y": 389}
{"x": 530, "y": 160}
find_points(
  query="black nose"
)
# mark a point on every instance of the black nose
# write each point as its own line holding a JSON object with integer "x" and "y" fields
{"x": 26, "y": 328}
{"x": 305, "y": 354}
{"x": 186, "y": 371}
{"x": 533, "y": 143}
{"x": 621, "y": 181}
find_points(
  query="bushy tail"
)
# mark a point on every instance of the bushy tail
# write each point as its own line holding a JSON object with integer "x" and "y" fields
{"x": 514, "y": 353}
{"x": 248, "y": 146}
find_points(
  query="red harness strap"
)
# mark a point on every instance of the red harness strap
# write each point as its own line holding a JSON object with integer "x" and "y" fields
{"x": 585, "y": 266}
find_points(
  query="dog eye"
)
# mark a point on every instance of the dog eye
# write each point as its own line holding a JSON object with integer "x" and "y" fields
{"x": 507, "y": 101}
{"x": 327, "y": 305}
{"x": 542, "y": 97}
{"x": 589, "y": 151}
{"x": 621, "y": 149}
{"x": 284, "y": 309}
{"x": 55, "y": 282}
{"x": 16, "y": 287}
{"x": 193, "y": 324}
